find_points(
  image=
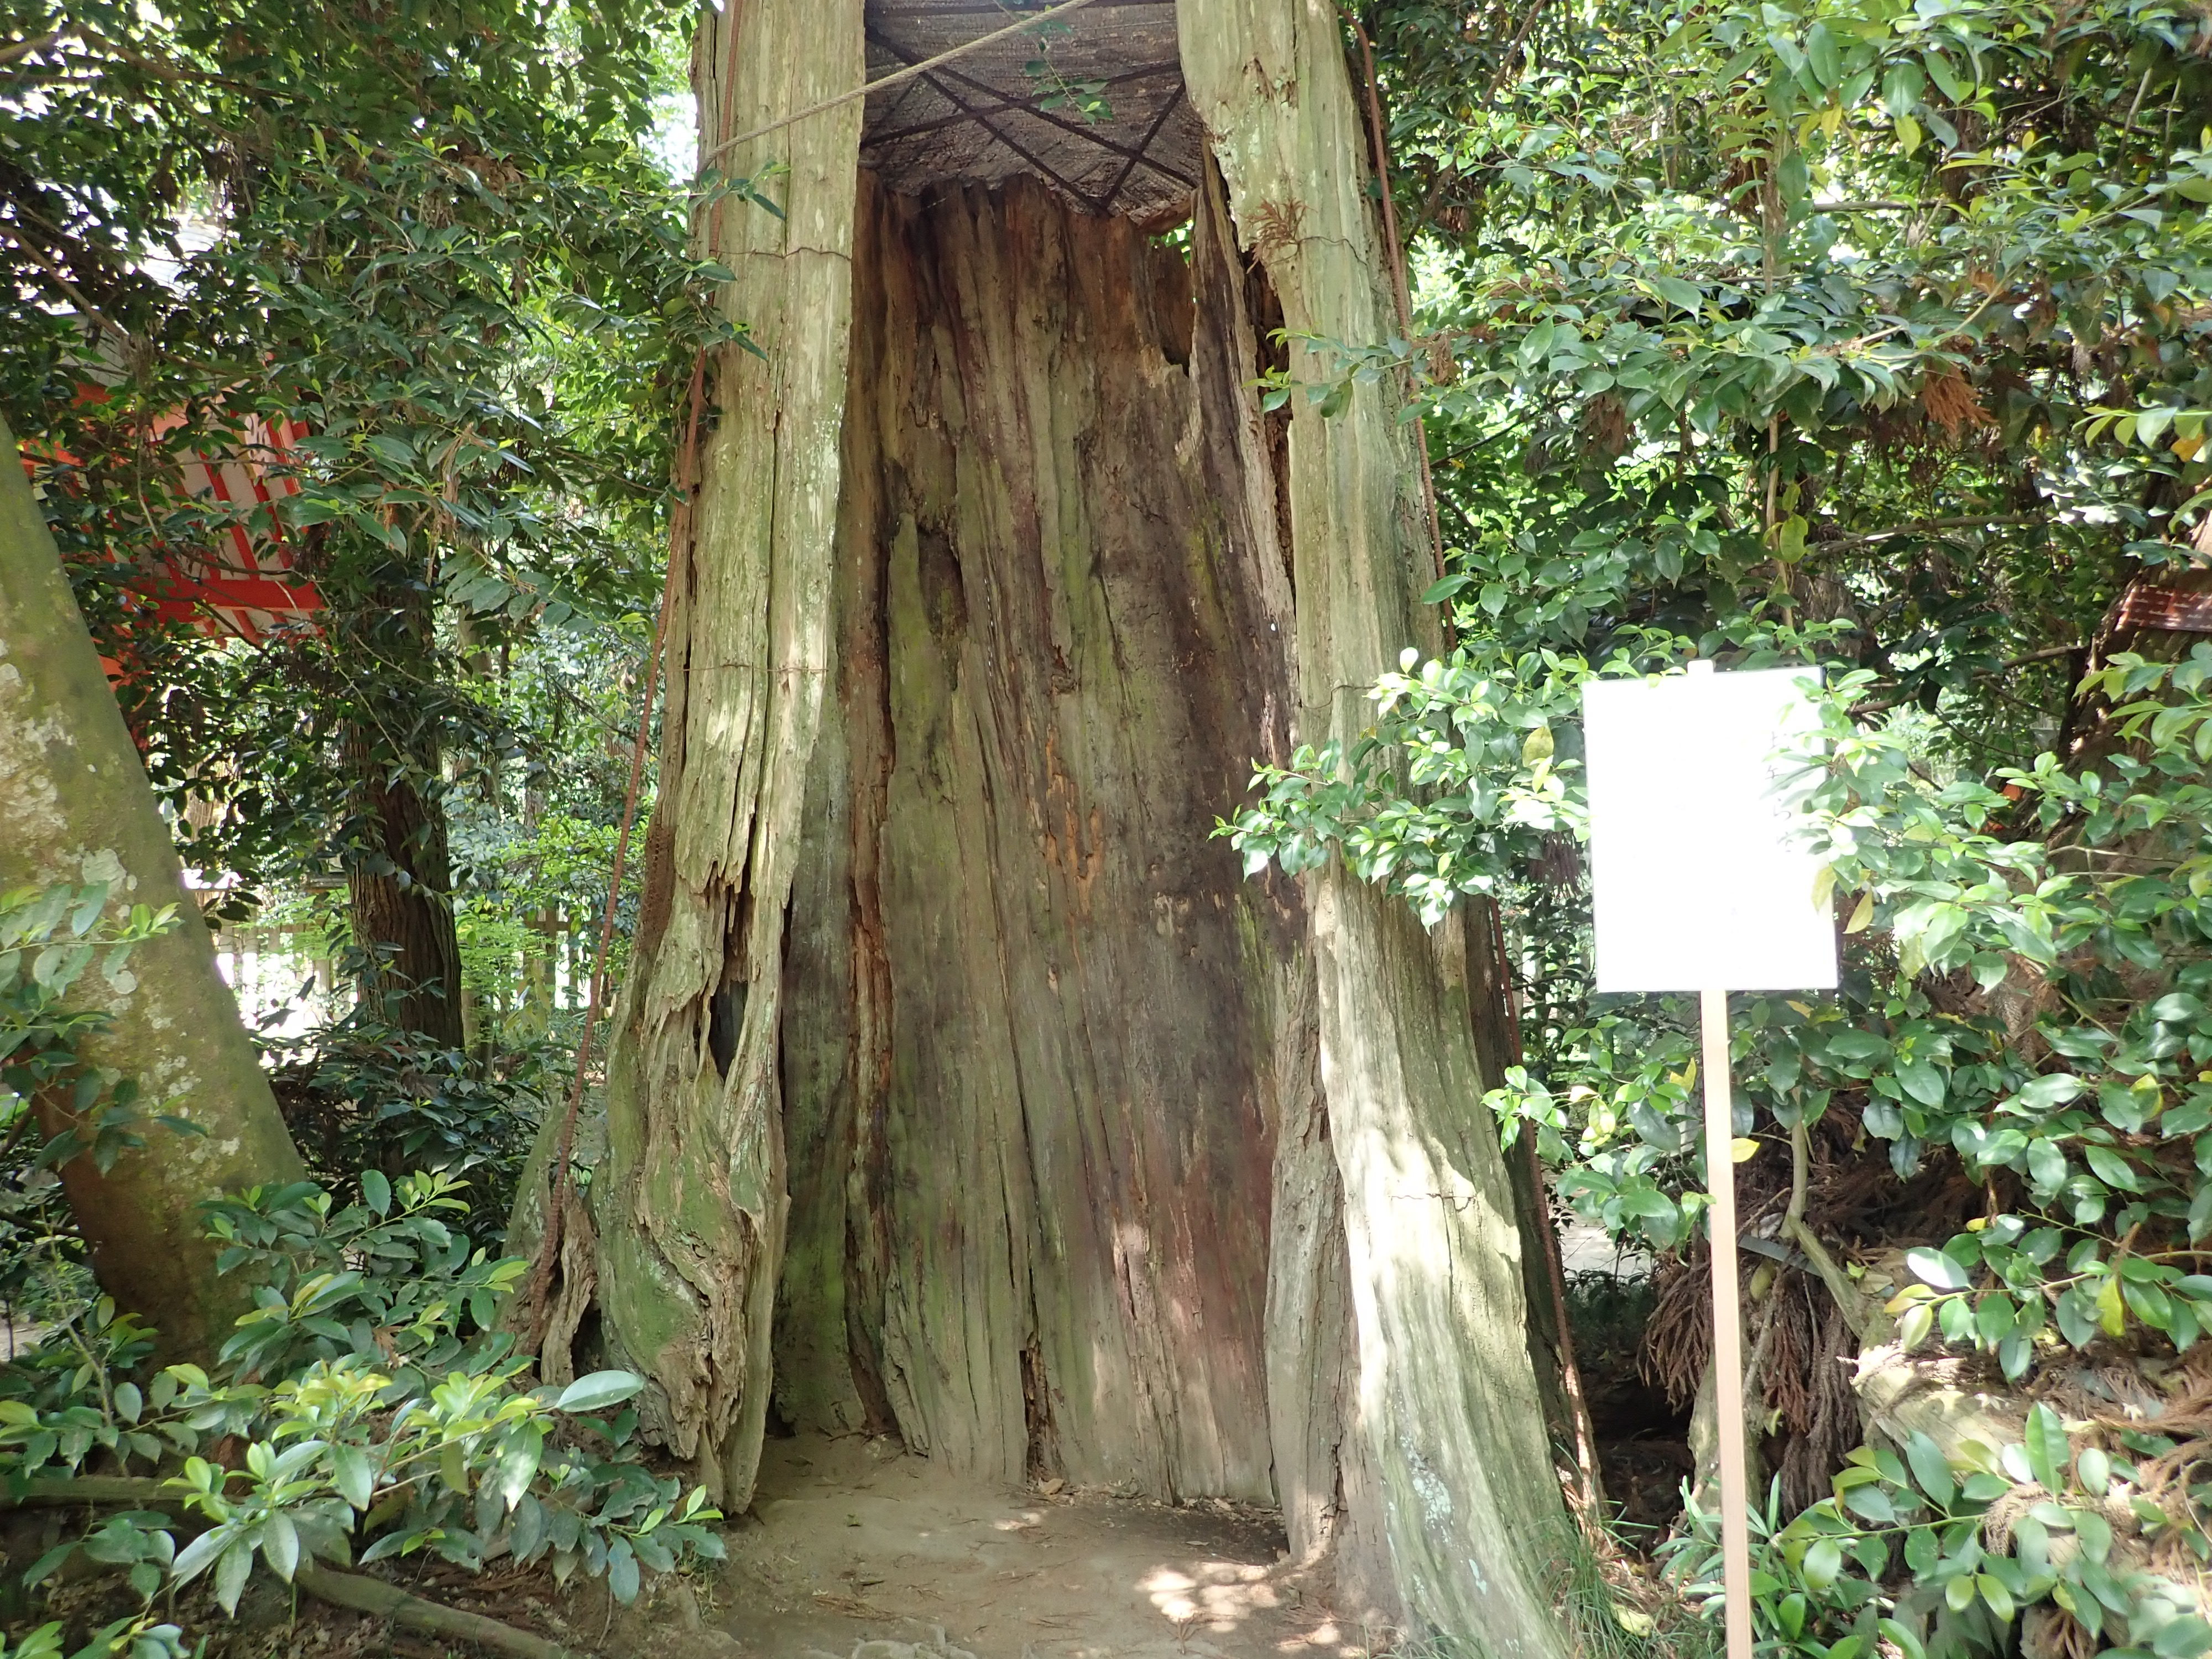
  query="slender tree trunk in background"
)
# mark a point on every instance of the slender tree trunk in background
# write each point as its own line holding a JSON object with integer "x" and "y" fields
{"x": 399, "y": 879}
{"x": 1449, "y": 1404}
{"x": 540, "y": 954}
{"x": 75, "y": 806}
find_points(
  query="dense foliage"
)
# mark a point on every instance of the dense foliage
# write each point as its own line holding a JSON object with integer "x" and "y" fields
{"x": 368, "y": 1406}
{"x": 1874, "y": 337}
{"x": 418, "y": 273}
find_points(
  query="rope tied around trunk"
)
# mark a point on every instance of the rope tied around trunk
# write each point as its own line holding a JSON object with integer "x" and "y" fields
{"x": 894, "y": 78}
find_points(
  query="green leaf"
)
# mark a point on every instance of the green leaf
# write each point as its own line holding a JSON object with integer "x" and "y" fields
{"x": 2150, "y": 1302}
{"x": 2094, "y": 1532}
{"x": 1873, "y": 1504}
{"x": 2075, "y": 1316}
{"x": 622, "y": 1572}
{"x": 2053, "y": 1089}
{"x": 2185, "y": 1637}
{"x": 1901, "y": 89}
{"x": 1922, "y": 1081}
{"x": 1680, "y": 295}
{"x": 2046, "y": 1165}
{"x": 280, "y": 1544}
{"x": 199, "y": 1554}
{"x": 376, "y": 1191}
{"x": 599, "y": 1390}
{"x": 230, "y": 1574}
{"x": 1995, "y": 1595}
{"x": 1936, "y": 1268}
{"x": 350, "y": 1474}
{"x": 1930, "y": 1469}
{"x": 1824, "y": 56}
{"x": 2112, "y": 1168}
{"x": 1824, "y": 1560}
{"x": 1791, "y": 177}
{"x": 2048, "y": 1453}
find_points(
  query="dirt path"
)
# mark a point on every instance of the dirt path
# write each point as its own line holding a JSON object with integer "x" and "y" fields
{"x": 853, "y": 1542}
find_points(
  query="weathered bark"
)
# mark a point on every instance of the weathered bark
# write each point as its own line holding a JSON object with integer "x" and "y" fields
{"x": 1039, "y": 1033}
{"x": 75, "y": 806}
{"x": 689, "y": 1203}
{"x": 1449, "y": 1402}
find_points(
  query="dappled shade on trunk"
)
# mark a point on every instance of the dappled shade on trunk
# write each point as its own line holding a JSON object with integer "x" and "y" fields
{"x": 75, "y": 807}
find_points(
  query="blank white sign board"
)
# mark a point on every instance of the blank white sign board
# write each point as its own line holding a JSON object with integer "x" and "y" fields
{"x": 1697, "y": 881}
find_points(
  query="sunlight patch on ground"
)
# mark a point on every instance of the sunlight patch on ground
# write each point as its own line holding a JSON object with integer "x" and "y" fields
{"x": 1215, "y": 1596}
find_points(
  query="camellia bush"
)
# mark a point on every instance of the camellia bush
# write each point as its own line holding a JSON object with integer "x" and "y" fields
{"x": 366, "y": 1406}
{"x": 2026, "y": 994}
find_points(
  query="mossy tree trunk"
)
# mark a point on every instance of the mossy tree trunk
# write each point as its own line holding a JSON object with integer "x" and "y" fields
{"x": 689, "y": 1204}
{"x": 1448, "y": 1404}
{"x": 75, "y": 806}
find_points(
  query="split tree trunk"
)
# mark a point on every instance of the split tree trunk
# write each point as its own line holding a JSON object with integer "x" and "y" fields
{"x": 75, "y": 806}
{"x": 689, "y": 1203}
{"x": 1448, "y": 1403}
{"x": 1104, "y": 1164}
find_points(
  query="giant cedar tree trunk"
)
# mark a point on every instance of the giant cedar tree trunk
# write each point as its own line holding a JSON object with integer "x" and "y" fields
{"x": 1103, "y": 1162}
{"x": 1448, "y": 1401}
{"x": 1031, "y": 1025}
{"x": 75, "y": 806}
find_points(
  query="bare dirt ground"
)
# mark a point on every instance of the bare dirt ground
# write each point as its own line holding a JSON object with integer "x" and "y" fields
{"x": 851, "y": 1541}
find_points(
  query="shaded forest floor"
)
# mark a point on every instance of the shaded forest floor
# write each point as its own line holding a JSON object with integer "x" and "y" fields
{"x": 852, "y": 1548}
{"x": 855, "y": 1549}
{"x": 852, "y": 1541}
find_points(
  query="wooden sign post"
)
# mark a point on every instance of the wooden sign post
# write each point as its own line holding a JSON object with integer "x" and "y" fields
{"x": 1699, "y": 882}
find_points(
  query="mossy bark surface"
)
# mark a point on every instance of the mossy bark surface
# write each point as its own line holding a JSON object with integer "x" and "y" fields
{"x": 75, "y": 806}
{"x": 689, "y": 1203}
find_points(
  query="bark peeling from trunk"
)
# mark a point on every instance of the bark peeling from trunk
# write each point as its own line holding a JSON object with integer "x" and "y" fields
{"x": 689, "y": 1204}
{"x": 1448, "y": 1402}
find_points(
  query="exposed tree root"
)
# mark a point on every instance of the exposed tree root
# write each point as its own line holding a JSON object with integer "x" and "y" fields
{"x": 355, "y": 1591}
{"x": 373, "y": 1595}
